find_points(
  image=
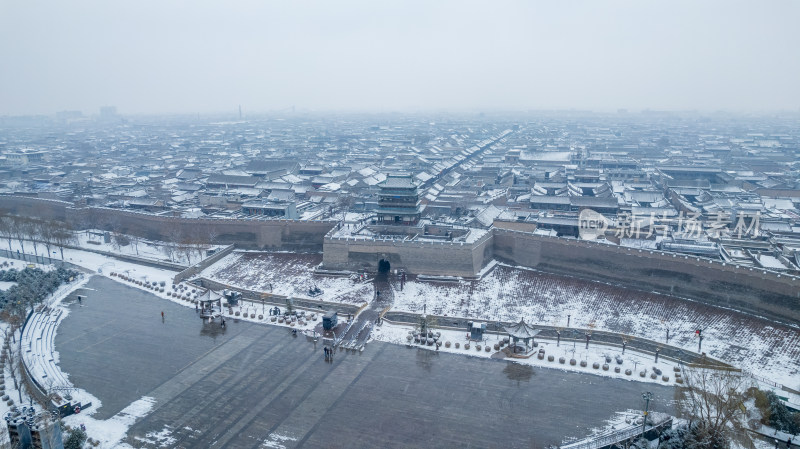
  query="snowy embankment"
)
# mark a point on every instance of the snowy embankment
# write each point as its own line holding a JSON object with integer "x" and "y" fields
{"x": 139, "y": 247}
{"x": 631, "y": 360}
{"x": 510, "y": 293}
{"x": 288, "y": 274}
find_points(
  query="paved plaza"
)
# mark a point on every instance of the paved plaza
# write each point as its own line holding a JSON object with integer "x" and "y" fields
{"x": 251, "y": 386}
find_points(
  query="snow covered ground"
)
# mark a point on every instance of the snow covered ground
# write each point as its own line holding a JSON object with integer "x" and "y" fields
{"x": 7, "y": 264}
{"x": 636, "y": 362}
{"x": 138, "y": 247}
{"x": 510, "y": 293}
{"x": 290, "y": 274}
{"x": 110, "y": 432}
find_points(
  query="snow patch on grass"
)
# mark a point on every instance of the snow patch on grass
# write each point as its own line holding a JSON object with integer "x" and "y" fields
{"x": 110, "y": 432}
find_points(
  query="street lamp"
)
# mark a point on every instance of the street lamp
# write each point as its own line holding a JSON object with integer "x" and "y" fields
{"x": 647, "y": 397}
{"x": 699, "y": 333}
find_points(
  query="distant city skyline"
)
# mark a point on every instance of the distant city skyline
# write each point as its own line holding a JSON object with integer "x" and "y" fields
{"x": 207, "y": 57}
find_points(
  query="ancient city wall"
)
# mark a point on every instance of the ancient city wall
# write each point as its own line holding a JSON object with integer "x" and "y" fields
{"x": 753, "y": 290}
{"x": 244, "y": 233}
{"x": 762, "y": 292}
{"x": 431, "y": 258}
{"x": 35, "y": 207}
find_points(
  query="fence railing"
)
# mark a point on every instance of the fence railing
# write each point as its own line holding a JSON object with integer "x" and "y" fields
{"x": 608, "y": 439}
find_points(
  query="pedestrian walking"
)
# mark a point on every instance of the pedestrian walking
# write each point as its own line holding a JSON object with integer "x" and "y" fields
{"x": 788, "y": 442}
{"x": 162, "y": 314}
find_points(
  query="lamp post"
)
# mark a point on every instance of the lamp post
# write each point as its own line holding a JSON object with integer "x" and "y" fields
{"x": 647, "y": 397}
{"x": 699, "y": 341}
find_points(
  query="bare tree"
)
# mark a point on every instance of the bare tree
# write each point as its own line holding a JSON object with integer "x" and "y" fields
{"x": 135, "y": 240}
{"x": 46, "y": 234}
{"x": 19, "y": 230}
{"x": 62, "y": 236}
{"x": 175, "y": 238}
{"x": 14, "y": 319}
{"x": 35, "y": 231}
{"x": 169, "y": 250}
{"x": 13, "y": 361}
{"x": 186, "y": 249}
{"x": 6, "y": 226}
{"x": 118, "y": 240}
{"x": 712, "y": 402}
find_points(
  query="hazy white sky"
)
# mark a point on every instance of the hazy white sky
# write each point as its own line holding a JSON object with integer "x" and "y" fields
{"x": 203, "y": 56}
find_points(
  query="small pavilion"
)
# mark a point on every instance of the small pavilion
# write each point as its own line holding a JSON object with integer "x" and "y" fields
{"x": 521, "y": 331}
{"x": 210, "y": 306}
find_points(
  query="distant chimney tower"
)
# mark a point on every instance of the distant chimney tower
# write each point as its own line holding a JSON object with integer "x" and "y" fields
{"x": 240, "y": 112}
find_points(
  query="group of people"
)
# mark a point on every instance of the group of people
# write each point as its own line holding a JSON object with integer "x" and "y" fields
{"x": 328, "y": 353}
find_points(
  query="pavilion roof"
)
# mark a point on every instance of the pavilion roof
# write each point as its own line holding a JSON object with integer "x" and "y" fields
{"x": 209, "y": 296}
{"x": 522, "y": 330}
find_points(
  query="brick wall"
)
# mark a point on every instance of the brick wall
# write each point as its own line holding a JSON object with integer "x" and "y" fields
{"x": 431, "y": 258}
{"x": 244, "y": 233}
{"x": 761, "y": 292}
